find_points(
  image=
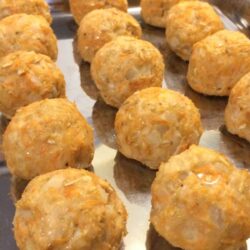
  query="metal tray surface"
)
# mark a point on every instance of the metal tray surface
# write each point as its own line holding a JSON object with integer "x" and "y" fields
{"x": 131, "y": 180}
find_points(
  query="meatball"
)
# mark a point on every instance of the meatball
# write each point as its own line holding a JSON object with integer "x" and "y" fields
{"x": 27, "y": 32}
{"x": 218, "y": 62}
{"x": 153, "y": 124}
{"x": 101, "y": 26}
{"x": 237, "y": 114}
{"x": 154, "y": 12}
{"x": 125, "y": 65}
{"x": 79, "y": 8}
{"x": 69, "y": 209}
{"x": 35, "y": 7}
{"x": 47, "y": 135}
{"x": 201, "y": 201}
{"x": 26, "y": 77}
{"x": 188, "y": 23}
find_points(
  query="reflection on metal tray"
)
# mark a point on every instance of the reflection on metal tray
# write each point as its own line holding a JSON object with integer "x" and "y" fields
{"x": 238, "y": 11}
{"x": 131, "y": 180}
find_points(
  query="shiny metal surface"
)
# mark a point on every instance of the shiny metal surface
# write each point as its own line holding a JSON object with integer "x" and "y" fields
{"x": 238, "y": 11}
{"x": 131, "y": 180}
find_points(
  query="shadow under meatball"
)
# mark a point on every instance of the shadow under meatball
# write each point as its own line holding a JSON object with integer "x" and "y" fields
{"x": 76, "y": 55}
{"x": 103, "y": 120}
{"x": 235, "y": 148}
{"x": 211, "y": 108}
{"x": 17, "y": 188}
{"x": 87, "y": 83}
{"x": 3, "y": 125}
{"x": 156, "y": 242}
{"x": 133, "y": 178}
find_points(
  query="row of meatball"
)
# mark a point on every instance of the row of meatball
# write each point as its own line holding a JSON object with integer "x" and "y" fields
{"x": 28, "y": 49}
{"x": 110, "y": 234}
{"x": 74, "y": 209}
{"x": 39, "y": 138}
{"x": 204, "y": 205}
{"x": 188, "y": 25}
{"x": 186, "y": 213}
{"x": 197, "y": 190}
{"x": 217, "y": 62}
{"x": 98, "y": 27}
{"x": 53, "y": 135}
{"x": 218, "y": 58}
{"x": 28, "y": 74}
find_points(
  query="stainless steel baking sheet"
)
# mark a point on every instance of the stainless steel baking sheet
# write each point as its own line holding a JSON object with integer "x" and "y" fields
{"x": 131, "y": 180}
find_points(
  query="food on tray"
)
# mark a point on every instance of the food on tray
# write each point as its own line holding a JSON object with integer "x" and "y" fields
{"x": 35, "y": 7}
{"x": 69, "y": 209}
{"x": 188, "y": 23}
{"x": 47, "y": 135}
{"x": 201, "y": 201}
{"x": 101, "y": 26}
{"x": 79, "y": 8}
{"x": 237, "y": 114}
{"x": 154, "y": 12}
{"x": 153, "y": 124}
{"x": 26, "y": 77}
{"x": 27, "y": 32}
{"x": 125, "y": 65}
{"x": 218, "y": 62}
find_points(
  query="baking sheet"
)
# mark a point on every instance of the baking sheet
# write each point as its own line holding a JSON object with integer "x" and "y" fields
{"x": 131, "y": 180}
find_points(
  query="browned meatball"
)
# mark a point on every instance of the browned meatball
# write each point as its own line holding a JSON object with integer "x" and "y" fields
{"x": 101, "y": 26}
{"x": 125, "y": 65}
{"x": 34, "y": 7}
{"x": 200, "y": 201}
{"x": 218, "y": 62}
{"x": 69, "y": 209}
{"x": 188, "y": 23}
{"x": 26, "y": 77}
{"x": 154, "y": 12}
{"x": 47, "y": 135}
{"x": 27, "y": 32}
{"x": 154, "y": 123}
{"x": 79, "y": 8}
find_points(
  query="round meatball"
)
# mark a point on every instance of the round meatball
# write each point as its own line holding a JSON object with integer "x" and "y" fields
{"x": 27, "y": 32}
{"x": 101, "y": 26}
{"x": 26, "y": 77}
{"x": 35, "y": 7}
{"x": 79, "y": 8}
{"x": 201, "y": 201}
{"x": 218, "y": 62}
{"x": 47, "y": 135}
{"x": 237, "y": 114}
{"x": 125, "y": 65}
{"x": 154, "y": 12}
{"x": 153, "y": 124}
{"x": 69, "y": 209}
{"x": 188, "y": 23}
